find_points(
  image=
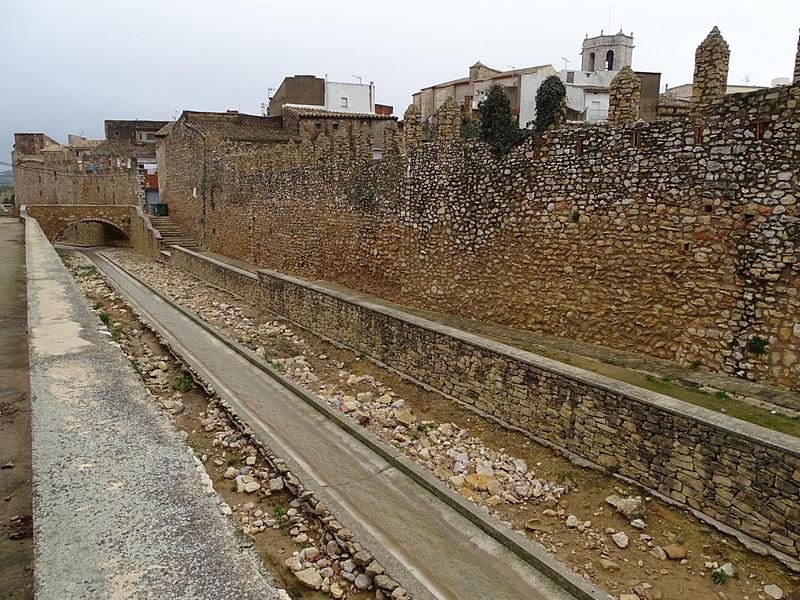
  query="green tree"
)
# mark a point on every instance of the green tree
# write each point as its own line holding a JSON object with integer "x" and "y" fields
{"x": 550, "y": 102}
{"x": 499, "y": 127}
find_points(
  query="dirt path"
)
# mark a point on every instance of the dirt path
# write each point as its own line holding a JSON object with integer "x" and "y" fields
{"x": 16, "y": 542}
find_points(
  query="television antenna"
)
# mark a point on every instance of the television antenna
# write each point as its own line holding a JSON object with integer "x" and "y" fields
{"x": 357, "y": 77}
{"x": 566, "y": 62}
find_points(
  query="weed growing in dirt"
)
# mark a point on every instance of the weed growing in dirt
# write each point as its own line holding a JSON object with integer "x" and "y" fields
{"x": 183, "y": 383}
{"x": 105, "y": 318}
{"x": 278, "y": 510}
{"x": 721, "y": 395}
{"x": 718, "y": 577}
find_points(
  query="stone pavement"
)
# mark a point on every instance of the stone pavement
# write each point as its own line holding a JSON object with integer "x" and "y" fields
{"x": 120, "y": 509}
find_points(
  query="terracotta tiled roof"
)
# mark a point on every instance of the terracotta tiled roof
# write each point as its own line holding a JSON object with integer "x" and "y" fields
{"x": 321, "y": 113}
{"x": 238, "y": 132}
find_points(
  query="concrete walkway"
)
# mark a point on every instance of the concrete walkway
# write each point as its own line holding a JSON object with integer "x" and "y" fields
{"x": 432, "y": 550}
{"x": 119, "y": 508}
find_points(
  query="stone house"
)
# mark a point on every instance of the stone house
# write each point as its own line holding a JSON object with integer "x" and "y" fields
{"x": 309, "y": 122}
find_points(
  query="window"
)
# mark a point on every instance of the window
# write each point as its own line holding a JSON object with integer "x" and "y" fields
{"x": 570, "y": 76}
{"x": 591, "y": 61}
{"x": 151, "y": 136}
{"x": 610, "y": 60}
{"x": 698, "y": 134}
{"x": 636, "y": 139}
{"x": 336, "y": 126}
{"x": 317, "y": 125}
{"x": 344, "y": 103}
{"x": 578, "y": 147}
{"x": 758, "y": 129}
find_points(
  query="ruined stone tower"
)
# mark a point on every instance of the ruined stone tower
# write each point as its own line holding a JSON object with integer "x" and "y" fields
{"x": 623, "y": 98}
{"x": 607, "y": 52}
{"x": 710, "y": 69}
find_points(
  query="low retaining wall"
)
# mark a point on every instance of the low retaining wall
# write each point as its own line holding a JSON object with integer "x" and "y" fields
{"x": 742, "y": 475}
{"x": 144, "y": 238}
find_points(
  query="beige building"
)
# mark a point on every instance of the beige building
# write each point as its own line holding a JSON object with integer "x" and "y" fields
{"x": 468, "y": 91}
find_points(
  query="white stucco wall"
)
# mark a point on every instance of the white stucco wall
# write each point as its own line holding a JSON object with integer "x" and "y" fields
{"x": 358, "y": 96}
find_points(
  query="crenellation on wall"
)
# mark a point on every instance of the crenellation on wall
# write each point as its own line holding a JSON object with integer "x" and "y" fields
{"x": 711, "y": 62}
{"x": 448, "y": 121}
{"x": 624, "y": 97}
{"x": 391, "y": 141}
{"x": 797, "y": 62}
{"x": 412, "y": 127}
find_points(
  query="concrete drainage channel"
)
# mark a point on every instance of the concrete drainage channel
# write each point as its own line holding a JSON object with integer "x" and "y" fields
{"x": 518, "y": 567}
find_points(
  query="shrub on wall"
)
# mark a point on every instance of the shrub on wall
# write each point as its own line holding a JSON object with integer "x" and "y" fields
{"x": 470, "y": 128}
{"x": 498, "y": 126}
{"x": 550, "y": 102}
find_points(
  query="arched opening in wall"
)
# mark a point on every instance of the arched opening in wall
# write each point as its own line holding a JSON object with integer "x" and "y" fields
{"x": 591, "y": 61}
{"x": 92, "y": 233}
{"x": 610, "y": 60}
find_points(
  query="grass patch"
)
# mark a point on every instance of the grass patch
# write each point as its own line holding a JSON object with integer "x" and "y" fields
{"x": 116, "y": 333}
{"x": 183, "y": 383}
{"x": 721, "y": 395}
{"x": 88, "y": 272}
{"x": 278, "y": 511}
{"x": 105, "y": 318}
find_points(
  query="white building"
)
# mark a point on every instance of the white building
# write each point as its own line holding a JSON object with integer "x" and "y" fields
{"x": 587, "y": 95}
{"x": 350, "y": 97}
{"x": 315, "y": 92}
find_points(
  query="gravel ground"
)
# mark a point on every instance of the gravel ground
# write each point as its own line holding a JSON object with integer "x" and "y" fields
{"x": 121, "y": 507}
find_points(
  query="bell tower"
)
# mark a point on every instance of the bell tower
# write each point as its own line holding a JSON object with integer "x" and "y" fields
{"x": 607, "y": 52}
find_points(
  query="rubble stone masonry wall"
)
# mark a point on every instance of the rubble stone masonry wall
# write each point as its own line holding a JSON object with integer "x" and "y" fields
{"x": 677, "y": 239}
{"x": 37, "y": 182}
{"x": 739, "y": 474}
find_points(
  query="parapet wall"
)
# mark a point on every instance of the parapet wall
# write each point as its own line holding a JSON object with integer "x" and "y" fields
{"x": 676, "y": 239}
{"x": 739, "y": 474}
{"x": 55, "y": 182}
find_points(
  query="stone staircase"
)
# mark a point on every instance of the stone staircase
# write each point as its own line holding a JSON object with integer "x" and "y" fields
{"x": 172, "y": 234}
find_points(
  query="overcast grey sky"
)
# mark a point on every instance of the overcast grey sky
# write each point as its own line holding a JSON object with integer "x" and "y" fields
{"x": 67, "y": 65}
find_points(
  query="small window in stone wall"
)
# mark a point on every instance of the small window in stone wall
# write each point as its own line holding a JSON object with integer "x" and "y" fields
{"x": 578, "y": 147}
{"x": 758, "y": 129}
{"x": 536, "y": 153}
{"x": 636, "y": 139}
{"x": 686, "y": 246}
{"x": 317, "y": 126}
{"x": 698, "y": 134}
{"x": 336, "y": 126}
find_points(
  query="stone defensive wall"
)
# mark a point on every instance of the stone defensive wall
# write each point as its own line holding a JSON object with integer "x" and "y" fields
{"x": 738, "y": 474}
{"x": 40, "y": 182}
{"x": 678, "y": 239}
